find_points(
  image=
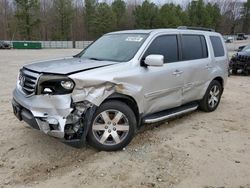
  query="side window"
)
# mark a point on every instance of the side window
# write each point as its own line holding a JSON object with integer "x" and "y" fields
{"x": 194, "y": 47}
{"x": 165, "y": 45}
{"x": 217, "y": 46}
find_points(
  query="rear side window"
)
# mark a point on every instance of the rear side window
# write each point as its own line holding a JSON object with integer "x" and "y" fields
{"x": 194, "y": 47}
{"x": 165, "y": 45}
{"x": 217, "y": 46}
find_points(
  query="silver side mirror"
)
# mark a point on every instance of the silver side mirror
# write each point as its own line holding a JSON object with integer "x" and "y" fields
{"x": 154, "y": 60}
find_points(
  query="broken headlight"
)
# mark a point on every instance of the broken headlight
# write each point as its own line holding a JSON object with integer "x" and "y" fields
{"x": 67, "y": 84}
{"x": 55, "y": 85}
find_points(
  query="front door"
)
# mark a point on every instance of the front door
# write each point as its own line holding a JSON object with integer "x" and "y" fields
{"x": 163, "y": 85}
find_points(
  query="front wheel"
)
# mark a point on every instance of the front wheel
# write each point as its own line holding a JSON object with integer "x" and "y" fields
{"x": 113, "y": 126}
{"x": 234, "y": 71}
{"x": 212, "y": 97}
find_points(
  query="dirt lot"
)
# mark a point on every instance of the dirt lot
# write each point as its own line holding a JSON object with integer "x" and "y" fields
{"x": 209, "y": 150}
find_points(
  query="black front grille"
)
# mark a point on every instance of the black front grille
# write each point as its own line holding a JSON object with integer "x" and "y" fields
{"x": 243, "y": 58}
{"x": 28, "y": 81}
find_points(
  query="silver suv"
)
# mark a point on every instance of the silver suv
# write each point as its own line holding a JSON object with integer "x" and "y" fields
{"x": 121, "y": 81}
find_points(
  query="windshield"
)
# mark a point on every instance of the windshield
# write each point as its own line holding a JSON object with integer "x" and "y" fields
{"x": 246, "y": 49}
{"x": 114, "y": 47}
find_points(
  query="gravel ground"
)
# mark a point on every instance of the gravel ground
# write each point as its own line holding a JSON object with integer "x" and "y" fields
{"x": 198, "y": 150}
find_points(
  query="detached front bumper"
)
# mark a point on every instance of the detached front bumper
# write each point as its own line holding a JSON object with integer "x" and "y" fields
{"x": 47, "y": 113}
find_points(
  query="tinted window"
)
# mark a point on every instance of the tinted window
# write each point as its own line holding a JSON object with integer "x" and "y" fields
{"x": 217, "y": 46}
{"x": 193, "y": 47}
{"x": 164, "y": 45}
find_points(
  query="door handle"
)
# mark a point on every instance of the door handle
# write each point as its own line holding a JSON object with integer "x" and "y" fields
{"x": 177, "y": 72}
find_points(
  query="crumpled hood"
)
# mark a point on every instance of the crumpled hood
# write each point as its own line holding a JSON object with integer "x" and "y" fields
{"x": 66, "y": 65}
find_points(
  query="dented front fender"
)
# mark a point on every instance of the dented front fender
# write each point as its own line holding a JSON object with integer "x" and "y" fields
{"x": 96, "y": 91}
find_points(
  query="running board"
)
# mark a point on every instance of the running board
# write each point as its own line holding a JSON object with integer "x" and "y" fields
{"x": 167, "y": 114}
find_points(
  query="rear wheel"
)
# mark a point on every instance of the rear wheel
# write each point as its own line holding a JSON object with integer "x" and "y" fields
{"x": 212, "y": 97}
{"x": 113, "y": 126}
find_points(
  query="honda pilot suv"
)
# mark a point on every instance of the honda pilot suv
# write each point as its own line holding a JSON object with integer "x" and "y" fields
{"x": 121, "y": 81}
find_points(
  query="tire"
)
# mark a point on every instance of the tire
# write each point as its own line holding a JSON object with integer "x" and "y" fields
{"x": 234, "y": 71}
{"x": 211, "y": 100}
{"x": 113, "y": 126}
{"x": 245, "y": 71}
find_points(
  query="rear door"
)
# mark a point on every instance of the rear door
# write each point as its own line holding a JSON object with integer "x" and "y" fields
{"x": 196, "y": 67}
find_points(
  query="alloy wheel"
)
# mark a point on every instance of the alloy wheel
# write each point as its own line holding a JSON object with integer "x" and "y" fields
{"x": 214, "y": 96}
{"x": 110, "y": 127}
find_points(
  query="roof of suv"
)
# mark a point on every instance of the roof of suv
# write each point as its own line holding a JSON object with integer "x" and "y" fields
{"x": 148, "y": 31}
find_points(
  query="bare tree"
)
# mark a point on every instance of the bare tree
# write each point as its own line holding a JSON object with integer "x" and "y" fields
{"x": 45, "y": 14}
{"x": 78, "y": 26}
{"x": 6, "y": 15}
{"x": 231, "y": 15}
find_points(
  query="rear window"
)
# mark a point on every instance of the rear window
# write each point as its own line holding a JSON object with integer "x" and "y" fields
{"x": 194, "y": 47}
{"x": 217, "y": 46}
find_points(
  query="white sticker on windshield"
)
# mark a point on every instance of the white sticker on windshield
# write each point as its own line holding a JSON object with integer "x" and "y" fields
{"x": 134, "y": 39}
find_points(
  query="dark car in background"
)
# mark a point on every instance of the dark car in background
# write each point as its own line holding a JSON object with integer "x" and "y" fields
{"x": 241, "y": 36}
{"x": 241, "y": 48}
{"x": 4, "y": 45}
{"x": 240, "y": 62}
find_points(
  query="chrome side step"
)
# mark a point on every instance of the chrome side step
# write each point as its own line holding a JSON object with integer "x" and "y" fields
{"x": 169, "y": 115}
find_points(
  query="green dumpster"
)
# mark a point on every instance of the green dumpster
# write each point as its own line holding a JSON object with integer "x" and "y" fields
{"x": 27, "y": 45}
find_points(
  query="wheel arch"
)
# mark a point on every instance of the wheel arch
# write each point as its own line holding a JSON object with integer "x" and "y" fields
{"x": 204, "y": 102}
{"x": 220, "y": 80}
{"x": 217, "y": 78}
{"x": 130, "y": 101}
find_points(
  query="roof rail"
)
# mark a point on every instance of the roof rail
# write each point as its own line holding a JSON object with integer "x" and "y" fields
{"x": 196, "y": 28}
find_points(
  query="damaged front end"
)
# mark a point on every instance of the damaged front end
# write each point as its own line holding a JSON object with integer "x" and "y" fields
{"x": 45, "y": 102}
{"x": 62, "y": 106}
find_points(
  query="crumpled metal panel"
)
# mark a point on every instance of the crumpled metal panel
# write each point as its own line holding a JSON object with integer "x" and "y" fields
{"x": 96, "y": 91}
{"x": 94, "y": 94}
{"x": 46, "y": 106}
{"x": 97, "y": 84}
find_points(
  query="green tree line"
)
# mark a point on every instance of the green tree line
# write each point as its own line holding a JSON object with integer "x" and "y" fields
{"x": 89, "y": 19}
